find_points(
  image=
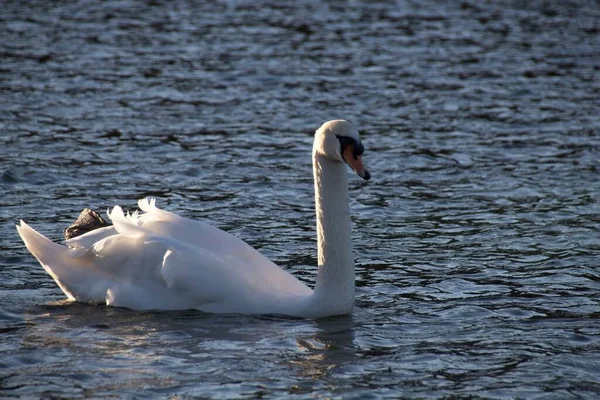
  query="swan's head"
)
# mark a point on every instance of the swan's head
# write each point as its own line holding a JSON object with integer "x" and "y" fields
{"x": 339, "y": 141}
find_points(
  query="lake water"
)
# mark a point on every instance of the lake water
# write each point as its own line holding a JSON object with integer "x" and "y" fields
{"x": 477, "y": 241}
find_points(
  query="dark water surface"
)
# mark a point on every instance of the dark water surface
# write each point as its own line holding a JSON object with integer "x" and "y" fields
{"x": 477, "y": 241}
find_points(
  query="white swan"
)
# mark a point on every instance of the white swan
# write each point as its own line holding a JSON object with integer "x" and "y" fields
{"x": 159, "y": 260}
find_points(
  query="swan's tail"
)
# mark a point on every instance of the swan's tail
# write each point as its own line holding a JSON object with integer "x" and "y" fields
{"x": 49, "y": 254}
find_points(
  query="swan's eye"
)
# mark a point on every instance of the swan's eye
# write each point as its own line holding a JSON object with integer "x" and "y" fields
{"x": 357, "y": 146}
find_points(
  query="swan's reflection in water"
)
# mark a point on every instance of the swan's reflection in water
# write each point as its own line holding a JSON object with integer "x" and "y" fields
{"x": 330, "y": 346}
{"x": 179, "y": 349}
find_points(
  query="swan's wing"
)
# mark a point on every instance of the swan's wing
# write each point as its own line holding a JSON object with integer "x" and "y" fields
{"x": 153, "y": 272}
{"x": 190, "y": 272}
{"x": 198, "y": 234}
{"x": 223, "y": 284}
{"x": 135, "y": 266}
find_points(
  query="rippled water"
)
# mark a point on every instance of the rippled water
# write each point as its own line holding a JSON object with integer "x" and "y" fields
{"x": 477, "y": 240}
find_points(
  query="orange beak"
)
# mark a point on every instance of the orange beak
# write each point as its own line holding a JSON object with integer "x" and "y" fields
{"x": 355, "y": 162}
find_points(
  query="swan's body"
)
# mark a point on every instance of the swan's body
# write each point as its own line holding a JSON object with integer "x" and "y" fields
{"x": 159, "y": 260}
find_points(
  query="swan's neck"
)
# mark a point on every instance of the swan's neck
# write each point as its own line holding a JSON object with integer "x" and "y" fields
{"x": 335, "y": 281}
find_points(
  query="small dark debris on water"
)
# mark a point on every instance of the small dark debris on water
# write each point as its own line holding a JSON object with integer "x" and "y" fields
{"x": 87, "y": 221}
{"x": 44, "y": 58}
{"x": 113, "y": 133}
{"x": 152, "y": 73}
